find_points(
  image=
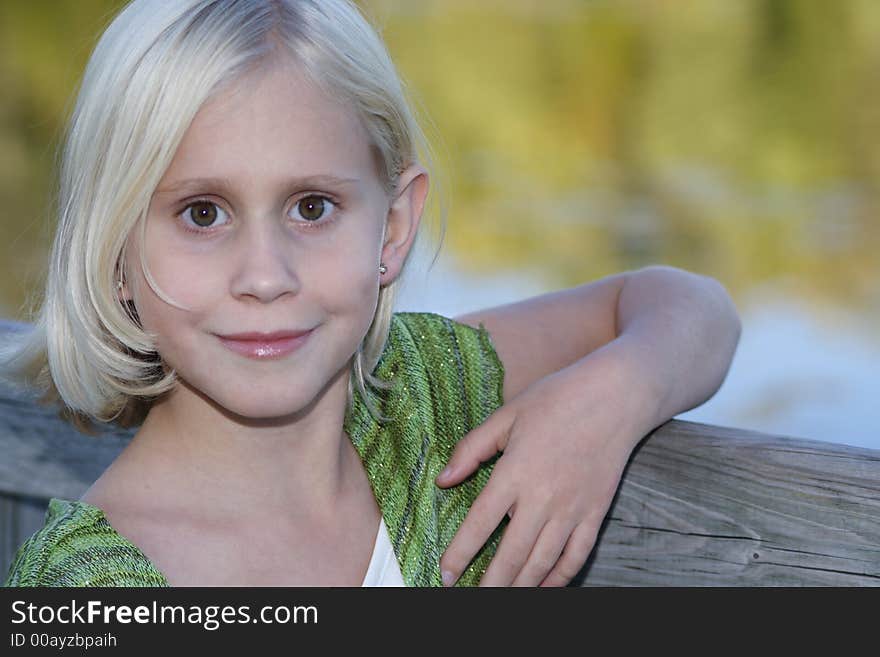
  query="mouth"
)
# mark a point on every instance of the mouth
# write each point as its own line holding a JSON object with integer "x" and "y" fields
{"x": 265, "y": 346}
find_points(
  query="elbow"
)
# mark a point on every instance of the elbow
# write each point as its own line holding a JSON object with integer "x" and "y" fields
{"x": 728, "y": 307}
{"x": 723, "y": 309}
{"x": 728, "y": 323}
{"x": 708, "y": 293}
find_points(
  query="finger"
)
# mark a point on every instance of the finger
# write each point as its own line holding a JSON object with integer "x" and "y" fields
{"x": 515, "y": 547}
{"x": 482, "y": 519}
{"x": 477, "y": 446}
{"x": 550, "y": 544}
{"x": 573, "y": 557}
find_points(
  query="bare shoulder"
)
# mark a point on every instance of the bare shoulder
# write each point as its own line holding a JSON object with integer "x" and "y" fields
{"x": 543, "y": 334}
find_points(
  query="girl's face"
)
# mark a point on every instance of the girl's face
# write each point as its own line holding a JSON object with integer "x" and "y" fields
{"x": 270, "y": 217}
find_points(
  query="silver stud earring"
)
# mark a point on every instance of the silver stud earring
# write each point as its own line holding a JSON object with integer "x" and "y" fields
{"x": 119, "y": 285}
{"x": 382, "y": 268}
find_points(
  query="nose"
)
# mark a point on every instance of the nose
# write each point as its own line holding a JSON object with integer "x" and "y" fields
{"x": 265, "y": 262}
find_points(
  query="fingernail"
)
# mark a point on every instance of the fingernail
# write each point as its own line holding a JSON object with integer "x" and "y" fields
{"x": 448, "y": 578}
{"x": 447, "y": 472}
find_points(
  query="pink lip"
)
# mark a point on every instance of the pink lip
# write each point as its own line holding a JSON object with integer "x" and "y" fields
{"x": 266, "y": 347}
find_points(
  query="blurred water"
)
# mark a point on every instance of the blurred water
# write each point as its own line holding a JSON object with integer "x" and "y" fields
{"x": 798, "y": 371}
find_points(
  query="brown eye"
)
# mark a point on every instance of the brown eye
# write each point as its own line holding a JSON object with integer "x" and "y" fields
{"x": 313, "y": 208}
{"x": 203, "y": 214}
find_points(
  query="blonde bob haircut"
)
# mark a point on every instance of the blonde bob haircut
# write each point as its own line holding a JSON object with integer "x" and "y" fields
{"x": 152, "y": 69}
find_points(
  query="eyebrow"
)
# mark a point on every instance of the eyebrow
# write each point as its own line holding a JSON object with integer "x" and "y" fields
{"x": 319, "y": 180}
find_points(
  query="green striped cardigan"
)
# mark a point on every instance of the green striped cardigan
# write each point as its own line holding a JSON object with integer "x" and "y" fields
{"x": 449, "y": 379}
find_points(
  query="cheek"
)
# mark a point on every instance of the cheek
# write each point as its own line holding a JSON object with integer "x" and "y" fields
{"x": 355, "y": 270}
{"x": 344, "y": 284}
{"x": 190, "y": 274}
{"x": 189, "y": 293}
{"x": 186, "y": 288}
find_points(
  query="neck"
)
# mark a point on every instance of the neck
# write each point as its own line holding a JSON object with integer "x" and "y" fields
{"x": 188, "y": 451}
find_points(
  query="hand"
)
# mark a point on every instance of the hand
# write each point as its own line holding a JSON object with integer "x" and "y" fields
{"x": 565, "y": 440}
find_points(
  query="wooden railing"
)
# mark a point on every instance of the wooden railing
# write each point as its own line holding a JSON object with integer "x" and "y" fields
{"x": 699, "y": 505}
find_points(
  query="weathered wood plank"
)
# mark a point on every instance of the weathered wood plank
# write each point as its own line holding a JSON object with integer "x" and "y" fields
{"x": 19, "y": 518}
{"x": 706, "y": 505}
{"x": 698, "y": 504}
{"x": 9, "y": 534}
{"x": 44, "y": 456}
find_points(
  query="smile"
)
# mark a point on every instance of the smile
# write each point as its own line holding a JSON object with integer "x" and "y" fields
{"x": 265, "y": 349}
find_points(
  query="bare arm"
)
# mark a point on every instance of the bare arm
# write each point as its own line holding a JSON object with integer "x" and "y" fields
{"x": 594, "y": 369}
{"x": 678, "y": 331}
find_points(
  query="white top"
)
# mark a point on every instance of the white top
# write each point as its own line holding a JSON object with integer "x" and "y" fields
{"x": 383, "y": 569}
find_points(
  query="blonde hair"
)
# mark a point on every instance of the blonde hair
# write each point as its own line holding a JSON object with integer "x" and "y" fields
{"x": 151, "y": 71}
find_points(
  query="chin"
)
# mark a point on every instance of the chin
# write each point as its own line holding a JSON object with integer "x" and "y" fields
{"x": 278, "y": 409}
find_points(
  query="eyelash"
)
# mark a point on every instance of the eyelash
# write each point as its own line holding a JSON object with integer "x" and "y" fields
{"x": 307, "y": 225}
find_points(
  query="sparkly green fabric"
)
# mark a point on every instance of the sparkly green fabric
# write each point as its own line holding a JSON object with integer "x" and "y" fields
{"x": 448, "y": 380}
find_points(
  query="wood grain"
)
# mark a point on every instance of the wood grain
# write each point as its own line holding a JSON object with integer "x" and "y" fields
{"x": 707, "y": 505}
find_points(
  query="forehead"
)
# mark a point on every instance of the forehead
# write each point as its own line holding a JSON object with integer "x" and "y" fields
{"x": 273, "y": 124}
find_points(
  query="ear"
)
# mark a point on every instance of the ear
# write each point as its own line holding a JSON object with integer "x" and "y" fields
{"x": 403, "y": 219}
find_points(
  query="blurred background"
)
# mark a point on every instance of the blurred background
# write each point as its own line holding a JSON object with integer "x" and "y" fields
{"x": 576, "y": 139}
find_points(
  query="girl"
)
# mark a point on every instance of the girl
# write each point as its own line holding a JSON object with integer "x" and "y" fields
{"x": 240, "y": 193}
